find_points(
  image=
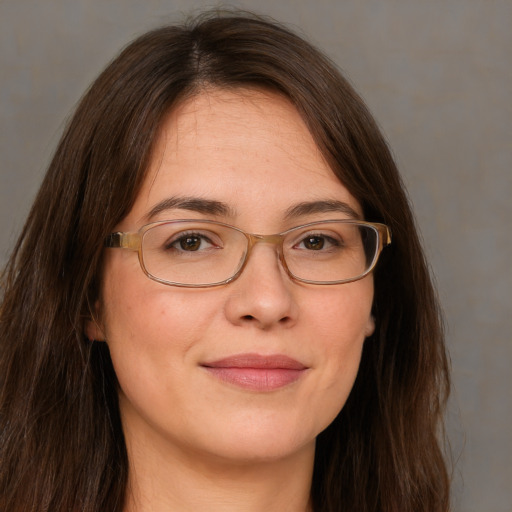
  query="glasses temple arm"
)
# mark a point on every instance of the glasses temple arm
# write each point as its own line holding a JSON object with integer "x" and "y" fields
{"x": 123, "y": 240}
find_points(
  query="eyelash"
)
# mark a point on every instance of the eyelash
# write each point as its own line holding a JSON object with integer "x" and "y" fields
{"x": 182, "y": 236}
{"x": 333, "y": 242}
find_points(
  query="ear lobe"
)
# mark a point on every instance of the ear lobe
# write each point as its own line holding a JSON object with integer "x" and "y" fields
{"x": 92, "y": 328}
{"x": 370, "y": 326}
{"x": 93, "y": 331}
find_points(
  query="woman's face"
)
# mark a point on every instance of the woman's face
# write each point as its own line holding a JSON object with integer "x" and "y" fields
{"x": 177, "y": 352}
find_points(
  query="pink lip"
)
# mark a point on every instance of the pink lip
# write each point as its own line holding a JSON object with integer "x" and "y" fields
{"x": 256, "y": 372}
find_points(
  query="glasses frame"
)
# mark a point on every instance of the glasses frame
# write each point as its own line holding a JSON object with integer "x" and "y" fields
{"x": 132, "y": 240}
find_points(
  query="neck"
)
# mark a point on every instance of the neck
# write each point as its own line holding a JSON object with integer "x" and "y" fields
{"x": 185, "y": 481}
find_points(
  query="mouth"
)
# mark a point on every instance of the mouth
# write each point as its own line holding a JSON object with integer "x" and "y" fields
{"x": 257, "y": 372}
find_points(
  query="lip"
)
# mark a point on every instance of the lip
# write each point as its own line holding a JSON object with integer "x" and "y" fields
{"x": 257, "y": 372}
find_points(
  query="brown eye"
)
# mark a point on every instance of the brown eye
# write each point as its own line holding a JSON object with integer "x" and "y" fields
{"x": 190, "y": 243}
{"x": 314, "y": 243}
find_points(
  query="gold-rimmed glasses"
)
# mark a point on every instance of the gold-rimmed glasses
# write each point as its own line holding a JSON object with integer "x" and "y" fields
{"x": 204, "y": 253}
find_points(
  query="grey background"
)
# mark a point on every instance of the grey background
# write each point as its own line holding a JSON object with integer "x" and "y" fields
{"x": 438, "y": 77}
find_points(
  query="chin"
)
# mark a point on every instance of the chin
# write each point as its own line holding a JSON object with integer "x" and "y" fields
{"x": 261, "y": 441}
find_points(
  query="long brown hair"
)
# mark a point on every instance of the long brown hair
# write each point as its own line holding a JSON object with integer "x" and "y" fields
{"x": 61, "y": 440}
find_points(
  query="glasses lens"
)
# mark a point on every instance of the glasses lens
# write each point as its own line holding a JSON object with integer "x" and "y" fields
{"x": 193, "y": 253}
{"x": 331, "y": 251}
{"x": 202, "y": 253}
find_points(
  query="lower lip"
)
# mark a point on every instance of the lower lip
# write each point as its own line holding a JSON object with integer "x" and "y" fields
{"x": 257, "y": 379}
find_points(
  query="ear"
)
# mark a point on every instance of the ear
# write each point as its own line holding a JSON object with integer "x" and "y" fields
{"x": 92, "y": 327}
{"x": 370, "y": 326}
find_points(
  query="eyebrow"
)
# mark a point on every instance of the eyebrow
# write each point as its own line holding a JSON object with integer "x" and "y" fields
{"x": 193, "y": 204}
{"x": 219, "y": 208}
{"x": 323, "y": 206}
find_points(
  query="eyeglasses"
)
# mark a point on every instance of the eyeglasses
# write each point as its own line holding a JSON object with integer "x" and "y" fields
{"x": 204, "y": 253}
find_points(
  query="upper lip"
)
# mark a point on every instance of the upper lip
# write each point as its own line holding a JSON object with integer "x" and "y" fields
{"x": 274, "y": 361}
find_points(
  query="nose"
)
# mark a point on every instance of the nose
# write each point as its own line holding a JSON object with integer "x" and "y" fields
{"x": 262, "y": 296}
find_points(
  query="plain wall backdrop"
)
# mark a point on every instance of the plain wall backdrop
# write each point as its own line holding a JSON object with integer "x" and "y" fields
{"x": 438, "y": 77}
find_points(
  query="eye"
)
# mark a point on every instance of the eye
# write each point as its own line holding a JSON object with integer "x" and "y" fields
{"x": 190, "y": 242}
{"x": 317, "y": 242}
{"x": 314, "y": 243}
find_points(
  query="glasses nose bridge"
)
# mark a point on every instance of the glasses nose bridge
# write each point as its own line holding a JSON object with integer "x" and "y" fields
{"x": 275, "y": 240}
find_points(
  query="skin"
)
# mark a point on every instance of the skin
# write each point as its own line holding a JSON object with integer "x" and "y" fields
{"x": 194, "y": 441}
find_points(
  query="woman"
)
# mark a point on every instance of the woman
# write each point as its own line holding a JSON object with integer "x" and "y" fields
{"x": 155, "y": 355}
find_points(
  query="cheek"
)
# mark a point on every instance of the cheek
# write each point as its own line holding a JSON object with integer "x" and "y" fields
{"x": 153, "y": 333}
{"x": 137, "y": 307}
{"x": 151, "y": 329}
{"x": 156, "y": 318}
{"x": 343, "y": 314}
{"x": 342, "y": 322}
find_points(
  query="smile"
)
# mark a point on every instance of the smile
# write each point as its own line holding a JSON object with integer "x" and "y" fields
{"x": 256, "y": 372}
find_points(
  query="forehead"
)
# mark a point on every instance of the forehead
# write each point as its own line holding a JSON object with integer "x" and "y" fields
{"x": 249, "y": 149}
{"x": 224, "y": 122}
